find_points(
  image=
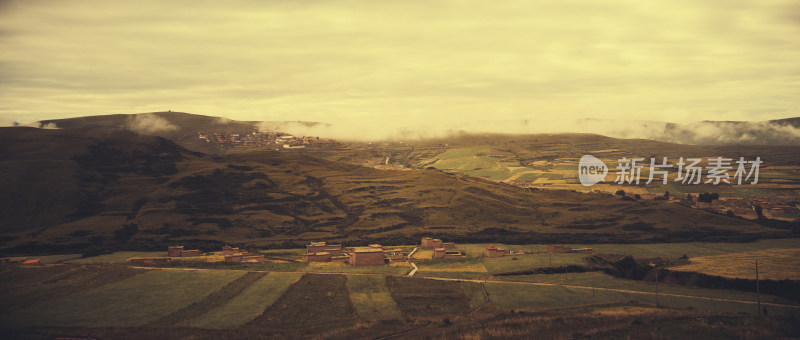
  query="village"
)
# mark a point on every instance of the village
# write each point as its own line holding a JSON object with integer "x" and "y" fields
{"x": 323, "y": 252}
{"x": 260, "y": 139}
{"x": 748, "y": 208}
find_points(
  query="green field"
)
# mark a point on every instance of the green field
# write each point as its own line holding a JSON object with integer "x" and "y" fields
{"x": 530, "y": 177}
{"x": 137, "y": 300}
{"x": 316, "y": 302}
{"x": 118, "y": 257}
{"x": 774, "y": 264}
{"x": 529, "y": 297}
{"x": 330, "y": 267}
{"x": 372, "y": 298}
{"x": 210, "y": 302}
{"x": 602, "y": 280}
{"x": 248, "y": 304}
{"x": 474, "y": 162}
{"x": 25, "y": 286}
{"x": 423, "y": 298}
{"x": 520, "y": 296}
{"x": 217, "y": 297}
{"x": 452, "y": 274}
{"x": 676, "y": 250}
{"x": 462, "y": 264}
{"x": 649, "y": 250}
{"x": 518, "y": 263}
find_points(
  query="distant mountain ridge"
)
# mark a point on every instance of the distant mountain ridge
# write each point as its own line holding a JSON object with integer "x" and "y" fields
{"x": 182, "y": 128}
{"x": 177, "y": 125}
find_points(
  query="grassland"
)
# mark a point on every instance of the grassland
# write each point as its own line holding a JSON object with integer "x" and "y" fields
{"x": 175, "y": 198}
{"x": 210, "y": 302}
{"x": 617, "y": 321}
{"x": 423, "y": 254}
{"x": 248, "y": 304}
{"x": 425, "y": 298}
{"x": 535, "y": 257}
{"x": 773, "y": 264}
{"x": 466, "y": 268}
{"x": 118, "y": 257}
{"x": 549, "y": 161}
{"x": 137, "y": 300}
{"x": 531, "y": 297}
{"x": 26, "y": 286}
{"x": 49, "y": 259}
{"x": 468, "y": 264}
{"x": 331, "y": 304}
{"x": 316, "y": 302}
{"x": 219, "y": 298}
{"x": 602, "y": 280}
{"x": 520, "y": 296}
{"x": 526, "y": 262}
{"x": 452, "y": 274}
{"x": 666, "y": 250}
{"x": 372, "y": 298}
{"x": 395, "y": 268}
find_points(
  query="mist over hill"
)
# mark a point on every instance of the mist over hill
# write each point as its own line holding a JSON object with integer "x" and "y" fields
{"x": 74, "y": 189}
{"x": 175, "y": 125}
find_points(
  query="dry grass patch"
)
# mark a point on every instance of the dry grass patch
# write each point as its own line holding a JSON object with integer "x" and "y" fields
{"x": 773, "y": 264}
{"x": 313, "y": 304}
{"x": 372, "y": 298}
{"x": 134, "y": 301}
{"x": 628, "y": 311}
{"x": 424, "y": 298}
{"x": 248, "y": 304}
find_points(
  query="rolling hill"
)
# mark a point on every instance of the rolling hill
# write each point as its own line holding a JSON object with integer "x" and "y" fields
{"x": 89, "y": 188}
{"x": 181, "y": 128}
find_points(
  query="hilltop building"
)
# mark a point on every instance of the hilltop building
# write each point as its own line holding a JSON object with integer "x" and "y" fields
{"x": 433, "y": 243}
{"x": 178, "y": 251}
{"x": 228, "y": 250}
{"x": 320, "y": 256}
{"x": 323, "y": 252}
{"x": 314, "y": 247}
{"x": 430, "y": 243}
{"x": 369, "y": 256}
{"x": 395, "y": 254}
{"x": 492, "y": 251}
{"x": 236, "y": 255}
{"x": 443, "y": 253}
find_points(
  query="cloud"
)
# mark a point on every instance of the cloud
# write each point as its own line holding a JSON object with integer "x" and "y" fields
{"x": 402, "y": 63}
{"x": 39, "y": 125}
{"x": 148, "y": 124}
{"x": 698, "y": 133}
{"x": 48, "y": 126}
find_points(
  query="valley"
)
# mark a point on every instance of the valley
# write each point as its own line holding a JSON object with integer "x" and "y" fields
{"x": 90, "y": 208}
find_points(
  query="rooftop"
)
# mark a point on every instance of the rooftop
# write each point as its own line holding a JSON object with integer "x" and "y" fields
{"x": 368, "y": 250}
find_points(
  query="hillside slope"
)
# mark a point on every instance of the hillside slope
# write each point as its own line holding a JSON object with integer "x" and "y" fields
{"x": 179, "y": 127}
{"x": 74, "y": 189}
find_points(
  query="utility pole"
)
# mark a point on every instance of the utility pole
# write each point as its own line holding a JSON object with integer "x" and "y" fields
{"x": 565, "y": 273}
{"x": 551, "y": 259}
{"x": 592, "y": 285}
{"x": 758, "y": 290}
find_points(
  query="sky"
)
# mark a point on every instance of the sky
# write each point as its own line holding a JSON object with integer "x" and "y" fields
{"x": 382, "y": 65}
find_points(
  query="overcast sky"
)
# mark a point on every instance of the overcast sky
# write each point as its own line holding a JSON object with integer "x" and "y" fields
{"x": 404, "y": 63}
